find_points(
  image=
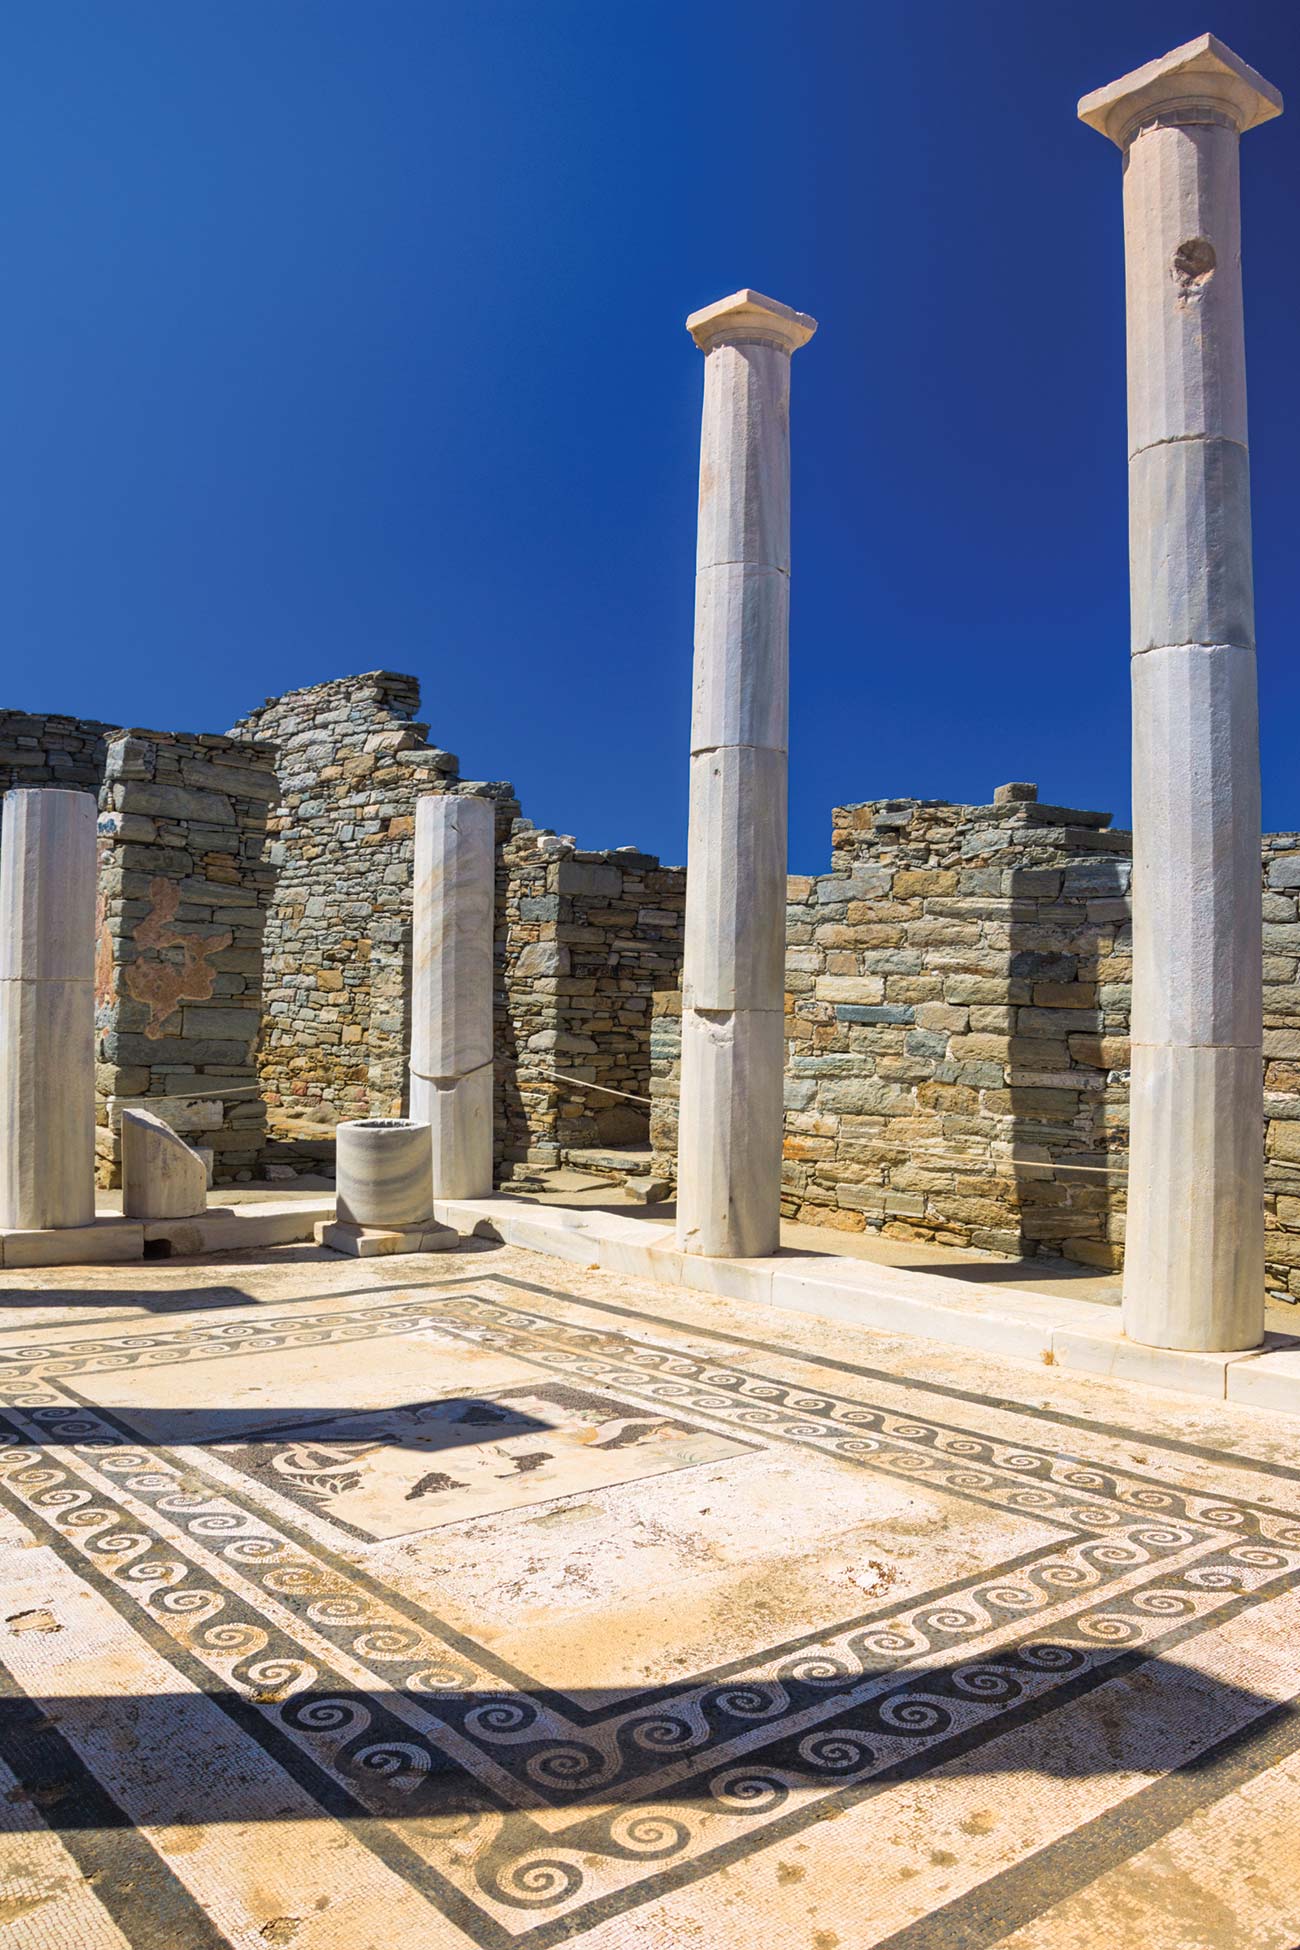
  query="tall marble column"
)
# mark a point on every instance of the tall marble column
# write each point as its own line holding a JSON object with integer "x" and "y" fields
{"x": 47, "y": 1009}
{"x": 1194, "y": 1260}
{"x": 729, "y": 1135}
{"x": 451, "y": 988}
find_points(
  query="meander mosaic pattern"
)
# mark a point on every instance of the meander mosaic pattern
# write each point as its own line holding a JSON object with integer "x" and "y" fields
{"x": 526, "y": 1815}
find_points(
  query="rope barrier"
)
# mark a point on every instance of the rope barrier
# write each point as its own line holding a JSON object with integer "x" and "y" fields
{"x": 955, "y": 1158}
{"x": 605, "y": 1090}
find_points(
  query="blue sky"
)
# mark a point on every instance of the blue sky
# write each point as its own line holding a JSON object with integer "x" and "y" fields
{"x": 348, "y": 335}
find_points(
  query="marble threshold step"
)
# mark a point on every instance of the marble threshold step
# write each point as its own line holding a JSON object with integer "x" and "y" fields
{"x": 1055, "y": 1330}
{"x": 112, "y": 1239}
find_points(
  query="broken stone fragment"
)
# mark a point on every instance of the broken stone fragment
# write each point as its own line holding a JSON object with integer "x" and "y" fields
{"x": 162, "y": 1176}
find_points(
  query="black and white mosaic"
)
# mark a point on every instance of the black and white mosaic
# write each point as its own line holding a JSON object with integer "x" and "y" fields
{"x": 237, "y": 1544}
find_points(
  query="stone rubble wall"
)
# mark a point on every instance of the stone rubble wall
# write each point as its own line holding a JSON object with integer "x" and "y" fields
{"x": 42, "y": 748}
{"x": 1282, "y": 1060}
{"x": 957, "y": 1011}
{"x": 958, "y": 992}
{"x": 184, "y": 889}
{"x": 581, "y": 938}
{"x": 294, "y": 837}
{"x": 351, "y": 762}
{"x": 588, "y": 938}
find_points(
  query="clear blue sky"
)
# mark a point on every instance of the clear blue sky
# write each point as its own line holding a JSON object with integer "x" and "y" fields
{"x": 338, "y": 335}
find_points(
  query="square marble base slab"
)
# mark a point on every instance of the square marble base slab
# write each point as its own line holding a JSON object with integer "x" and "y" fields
{"x": 366, "y": 1242}
{"x": 100, "y": 1243}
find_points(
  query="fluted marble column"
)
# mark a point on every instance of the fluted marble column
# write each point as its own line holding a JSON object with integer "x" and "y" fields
{"x": 1194, "y": 1260}
{"x": 47, "y": 1009}
{"x": 451, "y": 988}
{"x": 729, "y": 1135}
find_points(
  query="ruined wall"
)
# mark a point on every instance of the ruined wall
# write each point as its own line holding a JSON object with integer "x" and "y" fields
{"x": 184, "y": 888}
{"x": 958, "y": 990}
{"x": 588, "y": 938}
{"x": 581, "y": 938}
{"x": 43, "y": 748}
{"x": 351, "y": 764}
{"x": 957, "y": 1011}
{"x": 1282, "y": 1060}
{"x": 957, "y": 984}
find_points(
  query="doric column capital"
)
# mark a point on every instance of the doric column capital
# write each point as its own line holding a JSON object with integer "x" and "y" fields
{"x": 747, "y": 317}
{"x": 1202, "y": 81}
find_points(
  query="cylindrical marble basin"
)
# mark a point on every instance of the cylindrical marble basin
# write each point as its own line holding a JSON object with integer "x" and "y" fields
{"x": 385, "y": 1172}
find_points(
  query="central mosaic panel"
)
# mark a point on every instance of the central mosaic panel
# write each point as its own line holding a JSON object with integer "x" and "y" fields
{"x": 389, "y": 1472}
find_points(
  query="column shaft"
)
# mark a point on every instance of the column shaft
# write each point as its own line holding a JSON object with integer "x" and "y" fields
{"x": 1194, "y": 1258}
{"x": 451, "y": 988}
{"x": 729, "y": 1141}
{"x": 47, "y": 1009}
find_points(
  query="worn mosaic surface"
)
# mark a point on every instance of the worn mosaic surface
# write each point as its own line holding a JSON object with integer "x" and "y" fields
{"x": 485, "y": 1601}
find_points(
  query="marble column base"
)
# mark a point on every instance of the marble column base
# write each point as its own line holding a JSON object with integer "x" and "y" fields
{"x": 384, "y": 1172}
{"x": 47, "y": 1104}
{"x": 367, "y": 1242}
{"x": 47, "y": 1009}
{"x": 730, "y": 1133}
{"x": 458, "y": 1111}
{"x": 1194, "y": 1252}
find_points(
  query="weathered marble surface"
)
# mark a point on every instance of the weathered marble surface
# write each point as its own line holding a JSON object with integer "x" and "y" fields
{"x": 1194, "y": 1259}
{"x": 729, "y": 1147}
{"x": 729, "y": 1136}
{"x": 376, "y": 1242}
{"x": 385, "y": 1173}
{"x": 162, "y": 1176}
{"x": 47, "y": 1009}
{"x": 943, "y": 1657}
{"x": 451, "y": 1010}
{"x": 458, "y": 1111}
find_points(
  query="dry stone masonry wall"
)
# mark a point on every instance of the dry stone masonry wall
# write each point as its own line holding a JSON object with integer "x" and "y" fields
{"x": 957, "y": 1000}
{"x": 957, "y": 1016}
{"x": 254, "y": 955}
{"x": 45, "y": 749}
{"x": 184, "y": 889}
{"x": 581, "y": 938}
{"x": 1282, "y": 1060}
{"x": 351, "y": 762}
{"x": 588, "y": 939}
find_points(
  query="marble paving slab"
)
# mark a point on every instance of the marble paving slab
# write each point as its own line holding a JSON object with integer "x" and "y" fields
{"x": 493, "y": 1602}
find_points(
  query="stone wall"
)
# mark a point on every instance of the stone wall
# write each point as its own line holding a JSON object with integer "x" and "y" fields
{"x": 958, "y": 992}
{"x": 957, "y": 984}
{"x": 1282, "y": 1059}
{"x": 351, "y": 762}
{"x": 42, "y": 748}
{"x": 184, "y": 888}
{"x": 581, "y": 938}
{"x": 588, "y": 938}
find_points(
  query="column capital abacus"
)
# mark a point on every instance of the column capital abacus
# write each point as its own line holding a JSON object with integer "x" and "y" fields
{"x": 746, "y": 318}
{"x": 1200, "y": 82}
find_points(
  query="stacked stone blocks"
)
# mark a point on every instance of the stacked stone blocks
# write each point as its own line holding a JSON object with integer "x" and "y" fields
{"x": 581, "y": 938}
{"x": 351, "y": 763}
{"x": 588, "y": 937}
{"x": 958, "y": 995}
{"x": 184, "y": 890}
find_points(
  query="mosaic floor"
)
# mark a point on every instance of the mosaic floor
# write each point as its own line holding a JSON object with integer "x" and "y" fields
{"x": 483, "y": 1600}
